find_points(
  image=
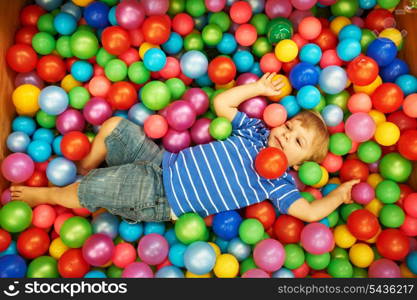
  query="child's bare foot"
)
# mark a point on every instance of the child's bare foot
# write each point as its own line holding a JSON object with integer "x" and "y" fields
{"x": 81, "y": 169}
{"x": 31, "y": 195}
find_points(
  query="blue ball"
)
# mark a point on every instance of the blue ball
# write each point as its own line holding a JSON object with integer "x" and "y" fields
{"x": 12, "y": 266}
{"x": 204, "y": 81}
{"x": 155, "y": 227}
{"x": 72, "y": 9}
{"x": 396, "y": 68}
{"x": 325, "y": 221}
{"x": 382, "y": 50}
{"x": 199, "y": 258}
{"x": 121, "y": 113}
{"x": 39, "y": 151}
{"x": 56, "y": 145}
{"x": 333, "y": 80}
{"x": 332, "y": 115}
{"x": 24, "y": 124}
{"x": 171, "y": 237}
{"x": 49, "y": 4}
{"x": 107, "y": 224}
{"x": 243, "y": 60}
{"x": 130, "y": 232}
{"x": 412, "y": 261}
{"x": 44, "y": 134}
{"x": 310, "y": 53}
{"x": 239, "y": 249}
{"x": 138, "y": 113}
{"x": 18, "y": 141}
{"x": 328, "y": 188}
{"x": 350, "y": 32}
{"x": 194, "y": 64}
{"x": 200, "y": 22}
{"x": 226, "y": 224}
{"x": 303, "y": 74}
{"x": 223, "y": 244}
{"x": 65, "y": 23}
{"x": 407, "y": 83}
{"x": 283, "y": 273}
{"x": 169, "y": 272}
{"x": 53, "y": 100}
{"x": 174, "y": 44}
{"x": 176, "y": 254}
{"x": 367, "y": 4}
{"x": 112, "y": 16}
{"x": 348, "y": 49}
{"x": 155, "y": 59}
{"x": 97, "y": 14}
{"x": 95, "y": 274}
{"x": 257, "y": 5}
{"x": 291, "y": 105}
{"x": 82, "y": 71}
{"x": 227, "y": 45}
{"x": 256, "y": 69}
{"x": 61, "y": 171}
{"x": 12, "y": 249}
{"x": 308, "y": 97}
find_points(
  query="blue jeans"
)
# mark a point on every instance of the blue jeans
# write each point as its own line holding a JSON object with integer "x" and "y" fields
{"x": 132, "y": 185}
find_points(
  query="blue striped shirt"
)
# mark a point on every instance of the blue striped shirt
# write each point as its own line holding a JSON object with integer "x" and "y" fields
{"x": 221, "y": 176}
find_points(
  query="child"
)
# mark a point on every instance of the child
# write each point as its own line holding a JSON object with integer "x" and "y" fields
{"x": 206, "y": 179}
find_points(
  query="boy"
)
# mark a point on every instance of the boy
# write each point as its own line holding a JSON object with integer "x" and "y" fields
{"x": 206, "y": 179}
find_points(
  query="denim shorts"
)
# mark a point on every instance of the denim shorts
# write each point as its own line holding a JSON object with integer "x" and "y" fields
{"x": 131, "y": 186}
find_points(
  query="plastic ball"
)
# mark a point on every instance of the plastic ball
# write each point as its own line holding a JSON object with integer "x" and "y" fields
{"x": 332, "y": 115}
{"x": 139, "y": 113}
{"x": 199, "y": 258}
{"x": 407, "y": 83}
{"x": 409, "y": 205}
{"x": 21, "y": 58}
{"x": 153, "y": 249}
{"x": 181, "y": 115}
{"x": 75, "y": 231}
{"x": 308, "y": 97}
{"x": 226, "y": 224}
{"x": 97, "y": 110}
{"x": 175, "y": 141}
{"x": 84, "y": 44}
{"x": 220, "y": 128}
{"x": 251, "y": 231}
{"x": 310, "y": 173}
{"x": 190, "y": 228}
{"x": 70, "y": 120}
{"x": 316, "y": 238}
{"x": 221, "y": 70}
{"x": 156, "y": 29}
{"x": 106, "y": 223}
{"x": 15, "y": 216}
{"x": 310, "y": 53}
{"x": 226, "y": 266}
{"x": 363, "y": 224}
{"x": 393, "y": 244}
{"x": 384, "y": 268}
{"x": 360, "y": 127}
{"x": 130, "y": 14}
{"x": 155, "y": 59}
{"x": 392, "y": 216}
{"x": 17, "y": 167}
{"x": 246, "y": 35}
{"x": 39, "y": 151}
{"x": 53, "y": 100}
{"x": 155, "y": 126}
{"x": 115, "y": 40}
{"x": 271, "y": 163}
{"x": 194, "y": 64}
{"x": 304, "y": 74}
{"x": 333, "y": 80}
{"x": 124, "y": 254}
{"x": 340, "y": 268}
{"x": 18, "y": 141}
{"x": 12, "y": 266}
{"x": 409, "y": 105}
{"x": 387, "y": 134}
{"x": 382, "y": 50}
{"x": 75, "y": 145}
{"x": 98, "y": 249}
{"x": 82, "y": 71}
{"x": 294, "y": 256}
{"x": 25, "y": 99}
{"x": 269, "y": 255}
{"x": 72, "y": 264}
{"x": 286, "y": 50}
{"x": 33, "y": 243}
{"x": 61, "y": 171}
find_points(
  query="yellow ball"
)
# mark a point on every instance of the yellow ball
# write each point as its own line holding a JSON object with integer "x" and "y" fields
{"x": 343, "y": 238}
{"x": 324, "y": 178}
{"x": 286, "y": 50}
{"x": 370, "y": 88}
{"x": 25, "y": 99}
{"x": 145, "y": 47}
{"x": 57, "y": 248}
{"x": 393, "y": 34}
{"x": 374, "y": 206}
{"x": 216, "y": 248}
{"x": 338, "y": 23}
{"x": 361, "y": 255}
{"x": 69, "y": 82}
{"x": 285, "y": 90}
{"x": 226, "y": 266}
{"x": 373, "y": 239}
{"x": 82, "y": 3}
{"x": 377, "y": 116}
{"x": 374, "y": 179}
{"x": 226, "y": 86}
{"x": 387, "y": 134}
{"x": 188, "y": 274}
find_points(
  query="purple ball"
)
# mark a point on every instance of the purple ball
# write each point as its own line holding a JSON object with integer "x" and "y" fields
{"x": 6, "y": 196}
{"x": 246, "y": 78}
{"x": 254, "y": 107}
{"x": 200, "y": 133}
{"x": 278, "y": 8}
{"x": 155, "y": 7}
{"x": 153, "y": 249}
{"x": 70, "y": 120}
{"x": 29, "y": 78}
{"x": 130, "y": 14}
{"x": 363, "y": 193}
{"x": 181, "y": 115}
{"x": 256, "y": 273}
{"x": 17, "y": 167}
{"x": 97, "y": 110}
{"x": 175, "y": 141}
{"x": 198, "y": 99}
{"x": 215, "y": 5}
{"x": 137, "y": 270}
{"x": 98, "y": 249}
{"x": 374, "y": 167}
{"x": 316, "y": 238}
{"x": 384, "y": 268}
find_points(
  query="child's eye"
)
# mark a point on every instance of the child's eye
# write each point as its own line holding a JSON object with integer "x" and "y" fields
{"x": 286, "y": 125}
{"x": 298, "y": 142}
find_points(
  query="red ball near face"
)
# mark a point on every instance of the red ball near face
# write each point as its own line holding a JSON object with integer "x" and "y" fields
{"x": 271, "y": 163}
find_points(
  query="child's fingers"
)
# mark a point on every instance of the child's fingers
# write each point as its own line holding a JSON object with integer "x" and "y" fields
{"x": 265, "y": 76}
{"x": 277, "y": 82}
{"x": 278, "y": 86}
{"x": 271, "y": 75}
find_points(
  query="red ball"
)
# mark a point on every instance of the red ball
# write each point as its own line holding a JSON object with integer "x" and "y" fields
{"x": 21, "y": 58}
{"x": 129, "y": 57}
{"x": 33, "y": 243}
{"x": 41, "y": 166}
{"x": 332, "y": 163}
{"x": 287, "y": 67}
{"x": 270, "y": 63}
{"x": 379, "y": 19}
{"x": 5, "y": 239}
{"x": 246, "y": 35}
{"x": 271, "y": 163}
{"x": 187, "y": 80}
{"x": 115, "y": 40}
{"x": 410, "y": 205}
{"x": 72, "y": 264}
{"x": 136, "y": 37}
{"x": 82, "y": 212}
{"x": 183, "y": 24}
{"x": 409, "y": 227}
{"x": 326, "y": 40}
{"x": 300, "y": 41}
{"x": 51, "y": 68}
{"x": 338, "y": 128}
{"x": 403, "y": 121}
{"x": 240, "y": 12}
{"x": 393, "y": 244}
{"x": 405, "y": 191}
{"x": 30, "y": 15}
{"x": 75, "y": 145}
{"x": 172, "y": 68}
{"x": 363, "y": 224}
{"x": 302, "y": 271}
{"x": 288, "y": 229}
{"x": 122, "y": 95}
{"x": 156, "y": 29}
{"x": 165, "y": 263}
{"x": 387, "y": 98}
{"x": 354, "y": 169}
{"x": 263, "y": 211}
{"x": 362, "y": 70}
{"x": 321, "y": 275}
{"x": 44, "y": 216}
{"x": 407, "y": 144}
{"x": 208, "y": 220}
{"x": 330, "y": 58}
{"x": 222, "y": 70}
{"x": 25, "y": 34}
{"x": 38, "y": 179}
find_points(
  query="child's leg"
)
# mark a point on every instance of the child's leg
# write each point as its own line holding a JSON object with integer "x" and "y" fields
{"x": 65, "y": 196}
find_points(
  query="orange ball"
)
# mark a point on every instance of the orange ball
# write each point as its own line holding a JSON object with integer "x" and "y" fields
{"x": 359, "y": 102}
{"x": 274, "y": 115}
{"x": 246, "y": 35}
{"x": 410, "y": 105}
{"x": 155, "y": 126}
{"x": 310, "y": 28}
{"x": 270, "y": 63}
{"x": 99, "y": 86}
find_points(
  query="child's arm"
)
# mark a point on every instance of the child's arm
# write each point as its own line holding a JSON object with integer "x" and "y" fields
{"x": 227, "y": 102}
{"x": 321, "y": 208}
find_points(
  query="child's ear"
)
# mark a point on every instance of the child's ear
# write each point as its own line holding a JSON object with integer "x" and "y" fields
{"x": 296, "y": 167}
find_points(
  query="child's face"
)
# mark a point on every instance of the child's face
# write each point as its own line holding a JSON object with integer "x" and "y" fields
{"x": 294, "y": 140}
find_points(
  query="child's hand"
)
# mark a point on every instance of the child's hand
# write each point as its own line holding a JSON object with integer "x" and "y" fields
{"x": 268, "y": 87}
{"x": 344, "y": 190}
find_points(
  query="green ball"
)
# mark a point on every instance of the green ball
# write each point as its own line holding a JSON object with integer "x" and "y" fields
{"x": 15, "y": 216}
{"x": 78, "y": 97}
{"x": 346, "y": 8}
{"x": 369, "y": 152}
{"x": 339, "y": 253}
{"x": 322, "y": 104}
{"x": 261, "y": 47}
{"x": 340, "y": 268}
{"x": 333, "y": 218}
{"x": 340, "y": 99}
{"x": 212, "y": 35}
{"x": 359, "y": 273}
{"x": 84, "y": 44}
{"x": 138, "y": 73}
{"x": 176, "y": 7}
{"x": 395, "y": 167}
{"x": 43, "y": 43}
{"x": 63, "y": 46}
{"x": 43, "y": 267}
{"x": 221, "y": 19}
{"x": 247, "y": 264}
{"x": 90, "y": 135}
{"x": 116, "y": 70}
{"x": 110, "y": 2}
{"x": 376, "y": 253}
{"x": 391, "y": 216}
{"x": 155, "y": 95}
{"x": 294, "y": 256}
{"x": 388, "y": 191}
{"x": 208, "y": 90}
{"x": 308, "y": 196}
{"x": 347, "y": 209}
{"x": 190, "y": 228}
{"x": 103, "y": 57}
{"x": 114, "y": 272}
{"x": 340, "y": 143}
{"x": 310, "y": 173}
{"x": 260, "y": 21}
{"x": 44, "y": 120}
{"x": 318, "y": 261}
{"x": 367, "y": 37}
{"x": 195, "y": 8}
{"x": 279, "y": 29}
{"x": 251, "y": 231}
{"x": 75, "y": 231}
{"x": 209, "y": 115}
{"x": 220, "y": 128}
{"x": 388, "y": 4}
{"x": 46, "y": 24}
{"x": 177, "y": 87}
{"x": 193, "y": 41}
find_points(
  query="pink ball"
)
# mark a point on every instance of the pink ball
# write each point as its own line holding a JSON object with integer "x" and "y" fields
{"x": 384, "y": 268}
{"x": 310, "y": 28}
{"x": 358, "y": 21}
{"x": 303, "y": 4}
{"x": 29, "y": 78}
{"x": 137, "y": 270}
{"x": 360, "y": 127}
{"x": 17, "y": 167}
{"x": 153, "y": 249}
{"x": 130, "y": 14}
{"x": 330, "y": 58}
{"x": 363, "y": 193}
{"x": 97, "y": 110}
{"x": 298, "y": 15}
{"x": 44, "y": 216}
{"x": 200, "y": 133}
{"x": 254, "y": 107}
{"x": 359, "y": 102}
{"x": 6, "y": 196}
{"x": 70, "y": 120}
{"x": 82, "y": 212}
{"x": 98, "y": 249}
{"x": 246, "y": 78}
{"x": 270, "y": 63}
{"x": 155, "y": 126}
{"x": 155, "y": 7}
{"x": 256, "y": 273}
{"x": 374, "y": 167}
{"x": 198, "y": 99}
{"x": 332, "y": 163}
{"x": 327, "y": 2}
{"x": 215, "y": 5}
{"x": 181, "y": 115}
{"x": 278, "y": 8}
{"x": 124, "y": 254}
{"x": 269, "y": 255}
{"x": 275, "y": 115}
{"x": 316, "y": 238}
